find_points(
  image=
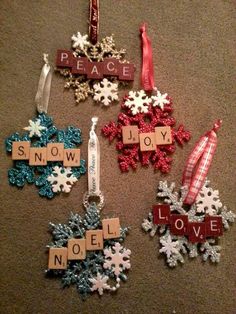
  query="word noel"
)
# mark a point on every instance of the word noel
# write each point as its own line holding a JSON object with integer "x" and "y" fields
{"x": 95, "y": 70}
{"x": 39, "y": 156}
{"x": 76, "y": 248}
{"x": 148, "y": 141}
{"x": 179, "y": 224}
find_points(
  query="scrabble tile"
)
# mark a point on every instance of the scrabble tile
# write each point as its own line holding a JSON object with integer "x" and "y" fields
{"x": 64, "y": 58}
{"x": 55, "y": 151}
{"x": 214, "y": 226}
{"x": 161, "y": 214}
{"x": 130, "y": 134}
{"x": 94, "y": 70}
{"x": 111, "y": 228}
{"x": 126, "y": 71}
{"x": 197, "y": 232}
{"x": 110, "y": 66}
{"x": 147, "y": 141}
{"x": 178, "y": 224}
{"x": 79, "y": 65}
{"x": 76, "y": 249}
{"x": 94, "y": 240}
{"x": 71, "y": 157}
{"x": 38, "y": 156}
{"x": 20, "y": 150}
{"x": 57, "y": 258}
{"x": 163, "y": 135}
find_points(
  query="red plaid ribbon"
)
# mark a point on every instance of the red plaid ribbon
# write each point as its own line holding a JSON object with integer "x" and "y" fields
{"x": 203, "y": 152}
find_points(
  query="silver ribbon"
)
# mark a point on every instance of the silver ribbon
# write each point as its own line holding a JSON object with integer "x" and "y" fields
{"x": 44, "y": 86}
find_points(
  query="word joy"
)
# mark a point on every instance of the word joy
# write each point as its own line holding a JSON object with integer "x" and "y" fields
{"x": 95, "y": 70}
{"x": 76, "y": 248}
{"x": 39, "y": 156}
{"x": 148, "y": 141}
{"x": 179, "y": 224}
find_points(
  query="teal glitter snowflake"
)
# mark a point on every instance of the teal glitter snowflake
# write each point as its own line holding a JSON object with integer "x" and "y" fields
{"x": 40, "y": 132}
{"x": 99, "y": 269}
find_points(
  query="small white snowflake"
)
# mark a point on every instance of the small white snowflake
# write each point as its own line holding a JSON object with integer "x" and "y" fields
{"x": 100, "y": 283}
{"x": 61, "y": 179}
{"x": 160, "y": 100}
{"x": 138, "y": 102}
{"x": 105, "y": 91}
{"x": 208, "y": 201}
{"x": 79, "y": 40}
{"x": 35, "y": 128}
{"x": 117, "y": 259}
{"x": 169, "y": 246}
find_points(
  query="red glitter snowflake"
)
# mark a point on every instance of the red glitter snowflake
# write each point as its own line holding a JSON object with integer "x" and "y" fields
{"x": 131, "y": 154}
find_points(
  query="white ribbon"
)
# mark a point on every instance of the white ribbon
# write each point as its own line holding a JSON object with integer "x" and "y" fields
{"x": 93, "y": 161}
{"x": 44, "y": 86}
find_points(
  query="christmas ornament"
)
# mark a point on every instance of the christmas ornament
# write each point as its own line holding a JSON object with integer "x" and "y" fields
{"x": 45, "y": 156}
{"x": 191, "y": 221}
{"x": 86, "y": 65}
{"x": 145, "y": 130}
{"x": 87, "y": 252}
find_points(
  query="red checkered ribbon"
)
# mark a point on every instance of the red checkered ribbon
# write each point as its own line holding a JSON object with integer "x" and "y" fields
{"x": 203, "y": 152}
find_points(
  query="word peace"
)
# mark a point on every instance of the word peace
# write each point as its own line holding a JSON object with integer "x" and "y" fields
{"x": 95, "y": 70}
{"x": 39, "y": 156}
{"x": 148, "y": 141}
{"x": 179, "y": 224}
{"x": 76, "y": 248}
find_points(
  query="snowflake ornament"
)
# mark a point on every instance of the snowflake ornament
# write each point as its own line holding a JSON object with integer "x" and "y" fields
{"x": 101, "y": 270}
{"x": 54, "y": 177}
{"x": 105, "y": 92}
{"x": 138, "y": 109}
{"x": 177, "y": 247}
{"x": 160, "y": 100}
{"x": 79, "y": 41}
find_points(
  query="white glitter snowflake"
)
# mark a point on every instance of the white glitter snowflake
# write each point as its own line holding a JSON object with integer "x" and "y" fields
{"x": 79, "y": 40}
{"x": 61, "y": 179}
{"x": 117, "y": 258}
{"x": 100, "y": 283}
{"x": 105, "y": 92}
{"x": 138, "y": 102}
{"x": 160, "y": 100}
{"x": 169, "y": 247}
{"x": 34, "y": 128}
{"x": 208, "y": 201}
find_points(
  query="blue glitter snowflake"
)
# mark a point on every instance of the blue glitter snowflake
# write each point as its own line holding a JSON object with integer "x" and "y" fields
{"x": 41, "y": 132}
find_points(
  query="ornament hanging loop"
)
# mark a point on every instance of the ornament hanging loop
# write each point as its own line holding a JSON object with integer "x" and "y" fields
{"x": 93, "y": 21}
{"x": 44, "y": 86}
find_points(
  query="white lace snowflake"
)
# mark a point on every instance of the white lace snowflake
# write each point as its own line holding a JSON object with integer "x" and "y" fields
{"x": 61, "y": 179}
{"x": 208, "y": 201}
{"x": 34, "y": 128}
{"x": 160, "y": 100}
{"x": 138, "y": 102}
{"x": 169, "y": 247}
{"x": 100, "y": 283}
{"x": 117, "y": 258}
{"x": 105, "y": 91}
{"x": 79, "y": 40}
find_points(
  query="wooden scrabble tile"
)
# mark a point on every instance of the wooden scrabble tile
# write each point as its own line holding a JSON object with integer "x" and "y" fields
{"x": 76, "y": 249}
{"x": 161, "y": 214}
{"x": 94, "y": 240}
{"x": 163, "y": 135}
{"x": 111, "y": 228}
{"x": 71, "y": 157}
{"x": 130, "y": 134}
{"x": 147, "y": 141}
{"x": 197, "y": 232}
{"x": 20, "y": 150}
{"x": 178, "y": 224}
{"x": 64, "y": 58}
{"x": 38, "y": 156}
{"x": 57, "y": 258}
{"x": 110, "y": 66}
{"x": 94, "y": 70}
{"x": 79, "y": 65}
{"x": 55, "y": 151}
{"x": 126, "y": 71}
{"x": 214, "y": 226}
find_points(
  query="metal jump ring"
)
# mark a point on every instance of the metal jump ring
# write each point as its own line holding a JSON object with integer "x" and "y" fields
{"x": 100, "y": 195}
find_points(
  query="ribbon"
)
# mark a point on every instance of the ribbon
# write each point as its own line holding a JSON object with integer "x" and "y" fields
{"x": 93, "y": 161}
{"x": 93, "y": 21}
{"x": 203, "y": 152}
{"x": 44, "y": 86}
{"x": 147, "y": 76}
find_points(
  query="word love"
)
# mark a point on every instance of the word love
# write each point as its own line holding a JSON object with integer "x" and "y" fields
{"x": 76, "y": 248}
{"x": 179, "y": 224}
{"x": 95, "y": 70}
{"x": 148, "y": 141}
{"x": 39, "y": 156}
